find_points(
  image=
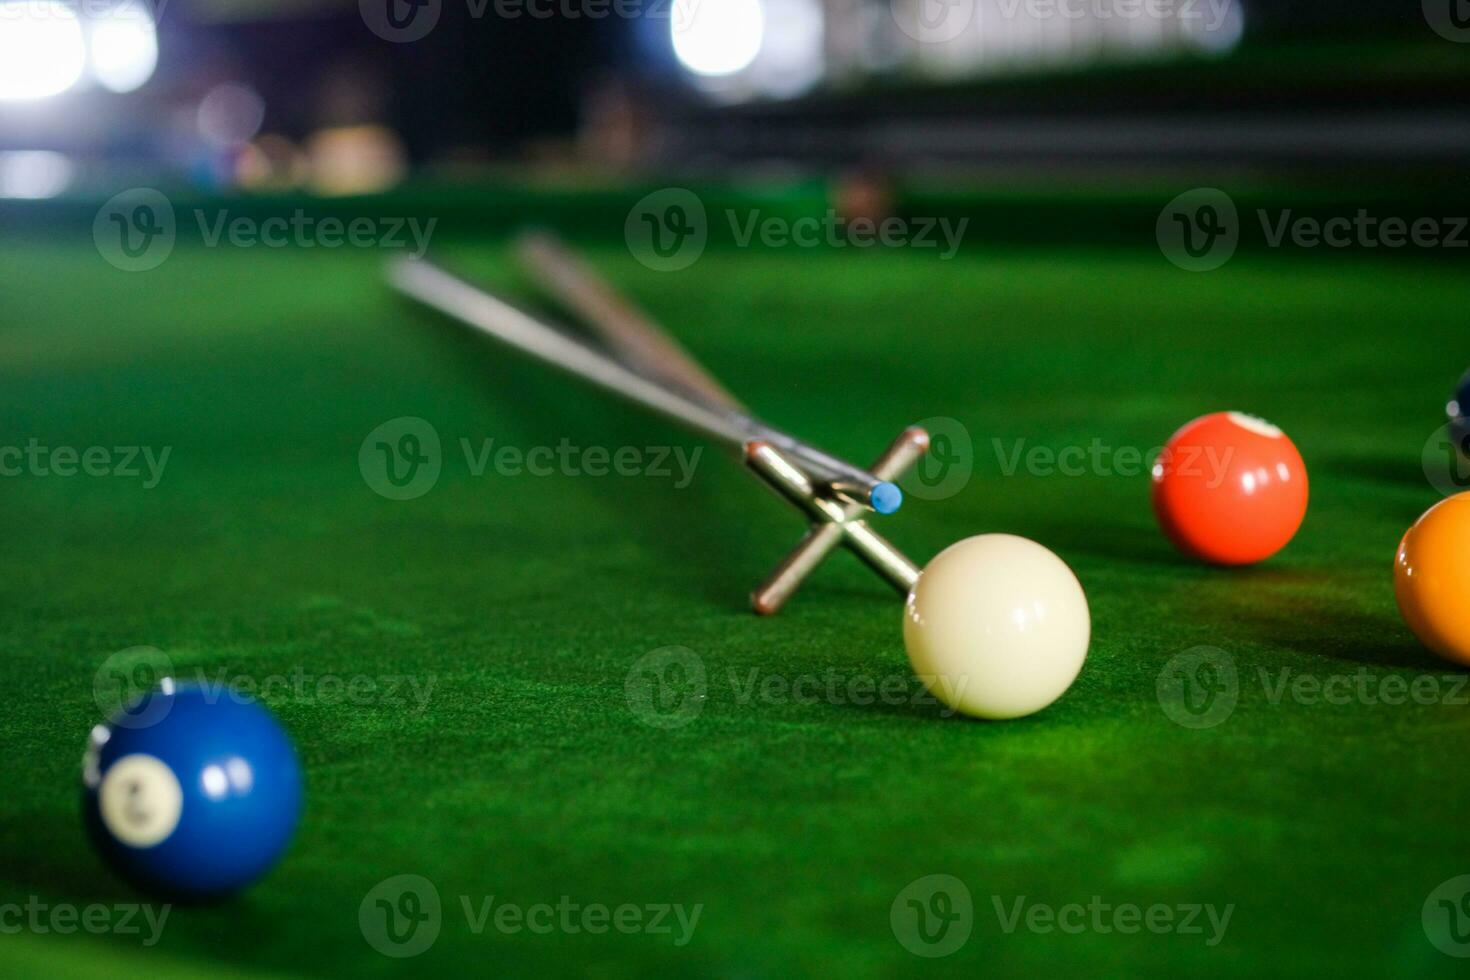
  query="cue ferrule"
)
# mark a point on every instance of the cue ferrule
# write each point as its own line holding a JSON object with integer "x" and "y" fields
{"x": 850, "y": 483}
{"x": 783, "y": 581}
{"x": 786, "y": 476}
{"x": 833, "y": 522}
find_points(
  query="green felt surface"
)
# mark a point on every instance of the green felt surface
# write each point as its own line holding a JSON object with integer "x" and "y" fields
{"x": 521, "y": 604}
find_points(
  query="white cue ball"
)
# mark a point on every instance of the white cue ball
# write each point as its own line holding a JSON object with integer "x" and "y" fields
{"x": 996, "y": 626}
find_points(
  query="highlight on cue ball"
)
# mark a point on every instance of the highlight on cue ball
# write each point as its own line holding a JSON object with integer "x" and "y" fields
{"x": 997, "y": 626}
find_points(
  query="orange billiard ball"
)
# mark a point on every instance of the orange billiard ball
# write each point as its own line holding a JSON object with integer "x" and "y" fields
{"x": 1431, "y": 578}
{"x": 1230, "y": 488}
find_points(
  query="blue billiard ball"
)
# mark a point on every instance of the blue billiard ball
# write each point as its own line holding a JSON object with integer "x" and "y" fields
{"x": 1459, "y": 412}
{"x": 191, "y": 792}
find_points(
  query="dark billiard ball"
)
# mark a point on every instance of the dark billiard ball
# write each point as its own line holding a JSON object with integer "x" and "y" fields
{"x": 1459, "y": 413}
{"x": 191, "y": 792}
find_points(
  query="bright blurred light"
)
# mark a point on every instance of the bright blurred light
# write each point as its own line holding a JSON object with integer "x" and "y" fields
{"x": 355, "y": 160}
{"x": 42, "y": 51}
{"x": 1217, "y": 30}
{"x": 124, "y": 46}
{"x": 790, "y": 59}
{"x": 230, "y": 115}
{"x": 34, "y": 174}
{"x": 717, "y": 37}
{"x": 970, "y": 38}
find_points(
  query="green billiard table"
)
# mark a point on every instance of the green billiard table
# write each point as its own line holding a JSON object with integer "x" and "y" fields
{"x": 540, "y": 728}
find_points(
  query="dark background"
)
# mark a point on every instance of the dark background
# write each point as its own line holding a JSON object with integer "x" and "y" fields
{"x": 1315, "y": 88}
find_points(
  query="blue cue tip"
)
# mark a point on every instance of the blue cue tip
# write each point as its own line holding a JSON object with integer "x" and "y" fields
{"x": 886, "y": 498}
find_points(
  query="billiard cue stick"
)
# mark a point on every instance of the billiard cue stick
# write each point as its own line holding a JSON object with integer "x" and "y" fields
{"x": 638, "y": 341}
{"x": 635, "y": 338}
{"x": 645, "y": 346}
{"x": 438, "y": 289}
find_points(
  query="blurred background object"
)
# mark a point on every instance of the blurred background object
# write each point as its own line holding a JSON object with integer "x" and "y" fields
{"x": 345, "y": 98}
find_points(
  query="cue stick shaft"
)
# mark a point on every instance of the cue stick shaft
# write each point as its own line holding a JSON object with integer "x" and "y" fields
{"x": 434, "y": 287}
{"x": 449, "y": 294}
{"x": 649, "y": 349}
{"x": 636, "y": 339}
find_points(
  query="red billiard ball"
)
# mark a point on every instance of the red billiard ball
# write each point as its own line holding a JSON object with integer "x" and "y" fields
{"x": 1230, "y": 488}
